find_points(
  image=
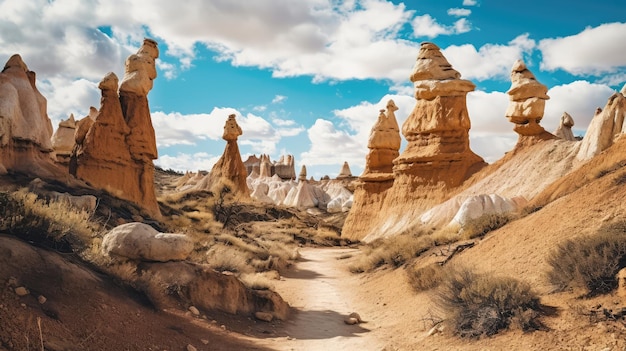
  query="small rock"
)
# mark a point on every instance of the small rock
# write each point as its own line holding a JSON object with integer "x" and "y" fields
{"x": 21, "y": 291}
{"x": 264, "y": 316}
{"x": 42, "y": 299}
{"x": 194, "y": 310}
{"x": 353, "y": 318}
{"x": 204, "y": 341}
{"x": 223, "y": 327}
{"x": 191, "y": 348}
{"x": 12, "y": 281}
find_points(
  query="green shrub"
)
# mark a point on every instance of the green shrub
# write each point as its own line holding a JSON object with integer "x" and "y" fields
{"x": 483, "y": 304}
{"x": 590, "y": 262}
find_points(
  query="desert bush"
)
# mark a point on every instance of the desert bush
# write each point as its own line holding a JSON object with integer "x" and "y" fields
{"x": 256, "y": 281}
{"x": 479, "y": 227}
{"x": 589, "y": 262}
{"x": 426, "y": 277}
{"x": 24, "y": 215}
{"x": 223, "y": 258}
{"x": 395, "y": 251}
{"x": 483, "y": 304}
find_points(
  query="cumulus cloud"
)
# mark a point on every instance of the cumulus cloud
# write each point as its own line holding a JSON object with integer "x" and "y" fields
{"x": 427, "y": 26}
{"x": 66, "y": 96}
{"x": 469, "y": 2}
{"x": 187, "y": 162}
{"x": 490, "y": 60}
{"x": 333, "y": 143}
{"x": 580, "y": 99}
{"x": 459, "y": 12}
{"x": 593, "y": 51}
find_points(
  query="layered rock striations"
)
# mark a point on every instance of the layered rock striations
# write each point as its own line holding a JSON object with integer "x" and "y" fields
{"x": 437, "y": 157}
{"x": 527, "y": 102}
{"x": 564, "y": 130}
{"x": 25, "y": 129}
{"x": 117, "y": 150}
{"x": 229, "y": 169}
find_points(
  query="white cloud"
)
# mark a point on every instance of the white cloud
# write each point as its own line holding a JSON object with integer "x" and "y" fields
{"x": 283, "y": 122}
{"x": 458, "y": 12}
{"x": 278, "y": 99}
{"x": 580, "y": 99}
{"x": 593, "y": 51}
{"x": 490, "y": 60}
{"x": 427, "y": 26}
{"x": 469, "y": 2}
{"x": 187, "y": 162}
{"x": 67, "y": 96}
{"x": 487, "y": 112}
{"x": 334, "y": 143}
{"x": 259, "y": 108}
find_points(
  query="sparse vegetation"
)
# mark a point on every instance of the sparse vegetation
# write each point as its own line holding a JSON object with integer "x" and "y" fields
{"x": 478, "y": 305}
{"x": 54, "y": 224}
{"x": 426, "y": 277}
{"x": 394, "y": 251}
{"x": 479, "y": 227}
{"x": 590, "y": 262}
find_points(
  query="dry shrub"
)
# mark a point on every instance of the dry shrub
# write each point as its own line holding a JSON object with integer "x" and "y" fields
{"x": 24, "y": 215}
{"x": 590, "y": 262}
{"x": 426, "y": 277}
{"x": 394, "y": 251}
{"x": 257, "y": 281}
{"x": 479, "y": 227}
{"x": 483, "y": 304}
{"x": 224, "y": 258}
{"x": 242, "y": 245}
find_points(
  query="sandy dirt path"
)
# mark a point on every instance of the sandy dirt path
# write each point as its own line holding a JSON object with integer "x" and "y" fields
{"x": 320, "y": 288}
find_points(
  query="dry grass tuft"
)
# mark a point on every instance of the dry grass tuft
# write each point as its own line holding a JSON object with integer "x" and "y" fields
{"x": 590, "y": 262}
{"x": 482, "y": 225}
{"x": 427, "y": 277}
{"x": 257, "y": 281}
{"x": 224, "y": 258}
{"x": 394, "y": 251}
{"x": 482, "y": 304}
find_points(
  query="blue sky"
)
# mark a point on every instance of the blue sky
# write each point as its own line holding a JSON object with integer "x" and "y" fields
{"x": 307, "y": 77}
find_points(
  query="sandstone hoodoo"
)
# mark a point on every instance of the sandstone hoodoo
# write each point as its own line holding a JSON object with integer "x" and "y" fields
{"x": 345, "y": 171}
{"x": 384, "y": 145}
{"x": 63, "y": 140}
{"x": 117, "y": 150}
{"x": 302, "y": 175}
{"x": 564, "y": 131}
{"x": 25, "y": 129}
{"x": 527, "y": 101}
{"x": 605, "y": 126}
{"x": 437, "y": 157}
{"x": 229, "y": 168}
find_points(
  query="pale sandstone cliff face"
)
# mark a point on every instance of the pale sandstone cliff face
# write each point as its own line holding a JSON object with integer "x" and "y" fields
{"x": 605, "y": 127}
{"x": 115, "y": 151}
{"x": 25, "y": 129}
{"x": 437, "y": 157}
{"x": 63, "y": 139}
{"x": 229, "y": 169}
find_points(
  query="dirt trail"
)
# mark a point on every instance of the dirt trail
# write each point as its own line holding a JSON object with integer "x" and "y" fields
{"x": 321, "y": 290}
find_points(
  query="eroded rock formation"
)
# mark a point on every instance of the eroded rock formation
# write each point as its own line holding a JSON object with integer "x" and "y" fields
{"x": 345, "y": 171}
{"x": 229, "y": 169}
{"x": 564, "y": 130}
{"x": 116, "y": 151}
{"x": 63, "y": 140}
{"x": 25, "y": 129}
{"x": 437, "y": 157}
{"x": 302, "y": 175}
{"x": 527, "y": 102}
{"x": 606, "y": 125}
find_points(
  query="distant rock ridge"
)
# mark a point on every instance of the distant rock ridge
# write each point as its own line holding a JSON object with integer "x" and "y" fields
{"x": 437, "y": 157}
{"x": 25, "y": 128}
{"x": 284, "y": 167}
{"x": 115, "y": 151}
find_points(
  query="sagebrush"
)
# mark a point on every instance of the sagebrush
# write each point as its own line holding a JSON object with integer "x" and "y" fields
{"x": 591, "y": 262}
